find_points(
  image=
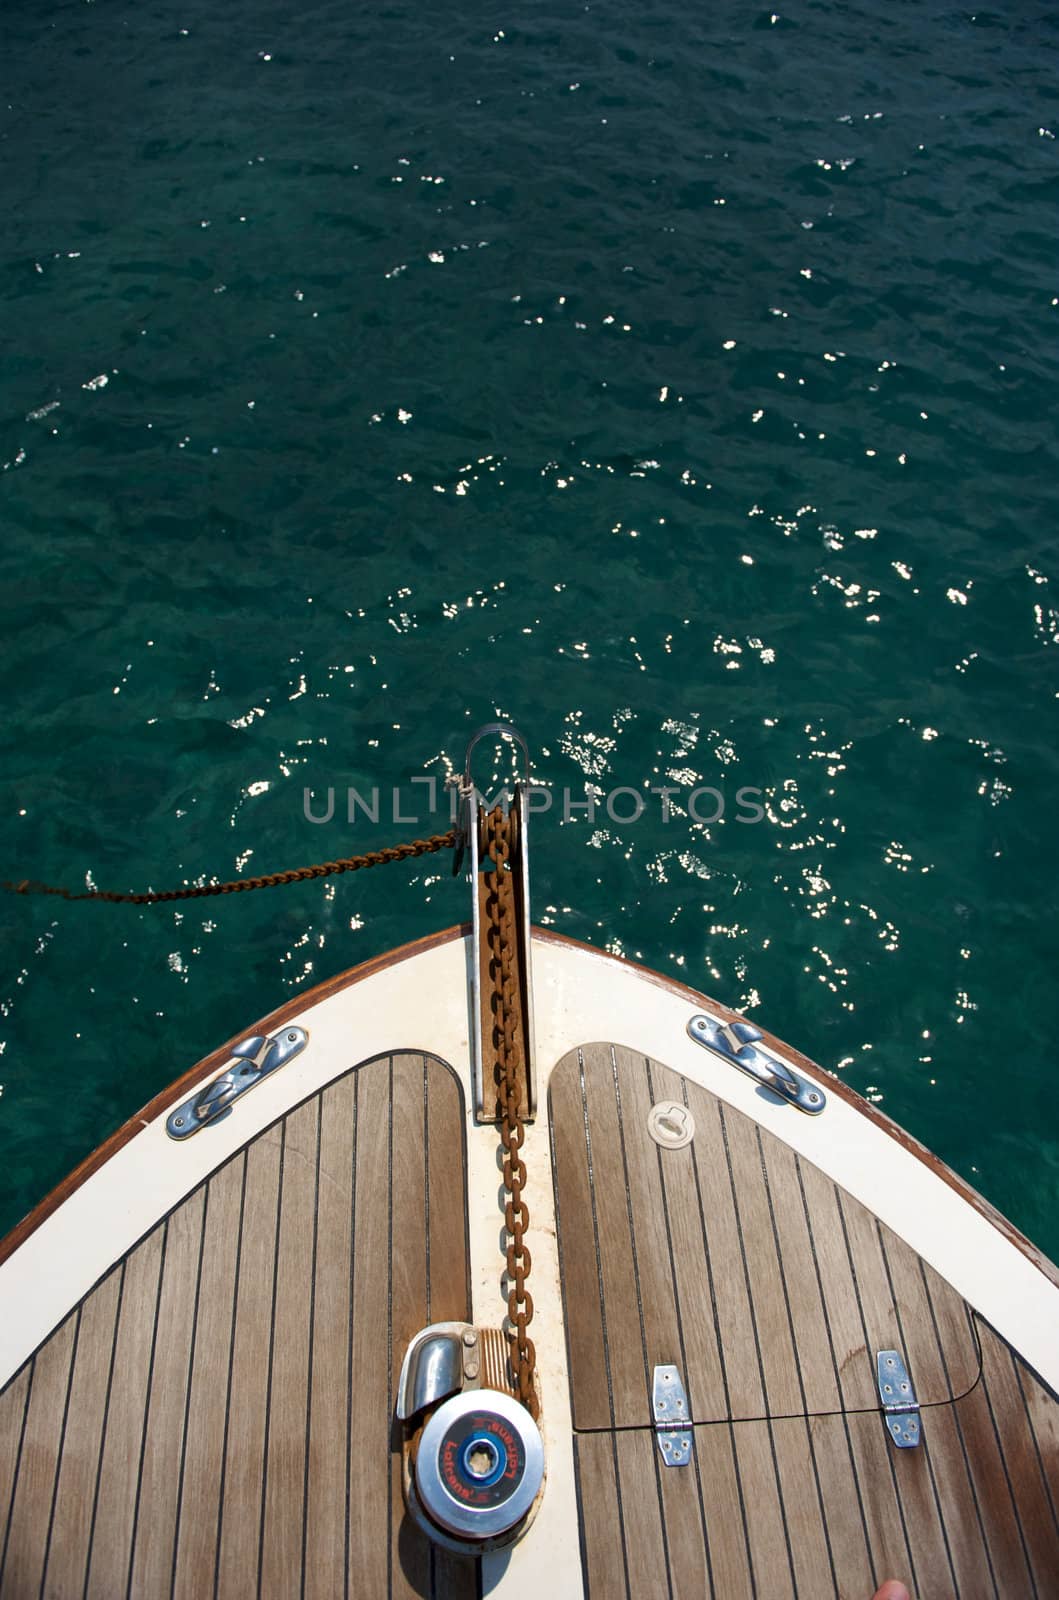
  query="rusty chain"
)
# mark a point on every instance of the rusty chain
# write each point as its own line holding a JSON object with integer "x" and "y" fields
{"x": 499, "y": 844}
{"x": 325, "y": 869}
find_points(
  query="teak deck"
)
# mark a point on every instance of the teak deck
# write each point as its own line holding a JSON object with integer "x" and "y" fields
{"x": 215, "y": 1417}
{"x": 772, "y": 1291}
{"x": 197, "y": 1425}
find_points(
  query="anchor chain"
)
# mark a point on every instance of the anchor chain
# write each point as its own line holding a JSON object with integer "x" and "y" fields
{"x": 325, "y": 869}
{"x": 499, "y": 843}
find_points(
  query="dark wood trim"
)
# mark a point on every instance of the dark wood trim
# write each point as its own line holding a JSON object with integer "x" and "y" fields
{"x": 367, "y": 969}
{"x": 184, "y": 1084}
{"x": 834, "y": 1085}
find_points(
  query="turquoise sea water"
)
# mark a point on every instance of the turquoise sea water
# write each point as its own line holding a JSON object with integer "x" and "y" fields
{"x": 678, "y": 382}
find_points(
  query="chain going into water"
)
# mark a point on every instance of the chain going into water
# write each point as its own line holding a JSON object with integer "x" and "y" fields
{"x": 502, "y": 937}
{"x": 325, "y": 869}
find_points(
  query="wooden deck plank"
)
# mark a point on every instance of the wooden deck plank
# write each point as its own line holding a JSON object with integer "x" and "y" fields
{"x": 968, "y": 1552}
{"x": 370, "y": 1494}
{"x": 14, "y": 1404}
{"x": 242, "y": 1483}
{"x": 119, "y": 1467}
{"x": 325, "y": 1527}
{"x": 843, "y": 1512}
{"x": 950, "y": 1318}
{"x": 944, "y": 1368}
{"x": 647, "y": 1545}
{"x": 800, "y": 1493}
{"x": 196, "y": 1534}
{"x": 726, "y": 1513}
{"x": 67, "y": 1555}
{"x": 734, "y": 1324}
{"x": 856, "y": 1370}
{"x": 409, "y": 1557}
{"x": 603, "y": 1536}
{"x": 1042, "y": 1421}
{"x": 27, "y": 1534}
{"x": 1007, "y": 1476}
{"x": 795, "y": 1249}
{"x": 681, "y": 1498}
{"x": 764, "y": 1271}
{"x": 282, "y": 1514}
{"x": 704, "y": 1375}
{"x": 448, "y": 1283}
{"x": 155, "y": 1525}
{"x": 770, "y": 1555}
{"x": 928, "y": 1534}
{"x": 659, "y": 1329}
{"x": 879, "y": 1500}
{"x": 624, "y": 1340}
{"x": 586, "y": 1337}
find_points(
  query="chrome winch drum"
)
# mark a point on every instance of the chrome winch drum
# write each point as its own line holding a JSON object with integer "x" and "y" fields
{"x": 479, "y": 1465}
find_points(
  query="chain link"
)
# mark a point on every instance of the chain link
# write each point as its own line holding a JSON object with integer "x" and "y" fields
{"x": 325, "y": 869}
{"x": 500, "y": 838}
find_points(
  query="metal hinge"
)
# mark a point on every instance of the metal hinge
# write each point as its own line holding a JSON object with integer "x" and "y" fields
{"x": 672, "y": 1419}
{"x": 251, "y": 1060}
{"x": 736, "y": 1041}
{"x": 899, "y": 1403}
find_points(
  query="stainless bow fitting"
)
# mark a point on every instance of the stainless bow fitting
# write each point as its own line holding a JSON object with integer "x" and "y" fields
{"x": 737, "y": 1042}
{"x": 441, "y": 1360}
{"x": 251, "y": 1060}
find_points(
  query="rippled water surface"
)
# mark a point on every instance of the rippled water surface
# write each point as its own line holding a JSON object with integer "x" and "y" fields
{"x": 677, "y": 381}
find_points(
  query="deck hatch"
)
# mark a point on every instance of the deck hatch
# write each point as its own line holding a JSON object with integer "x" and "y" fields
{"x": 729, "y": 1255}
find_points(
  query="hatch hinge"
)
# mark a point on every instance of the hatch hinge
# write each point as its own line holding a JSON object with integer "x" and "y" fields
{"x": 899, "y": 1403}
{"x": 672, "y": 1418}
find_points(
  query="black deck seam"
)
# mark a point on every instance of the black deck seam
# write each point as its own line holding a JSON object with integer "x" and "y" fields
{"x": 757, "y": 1347}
